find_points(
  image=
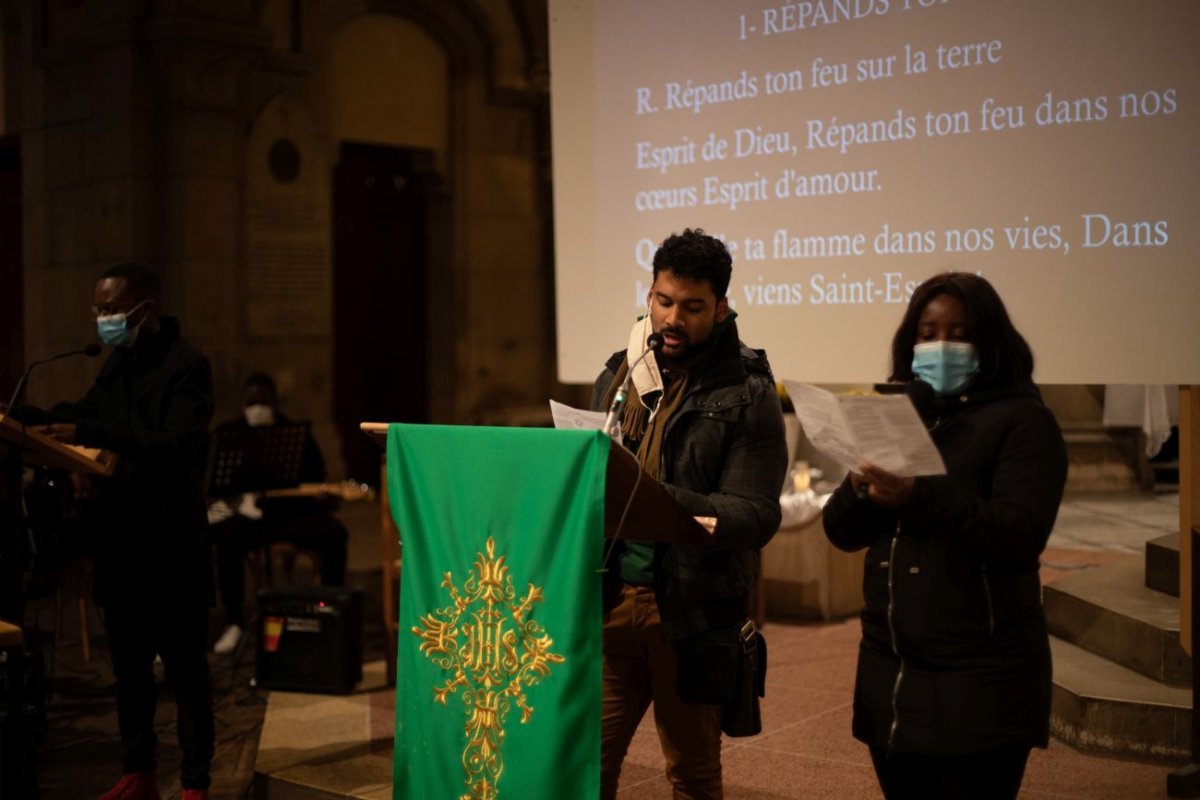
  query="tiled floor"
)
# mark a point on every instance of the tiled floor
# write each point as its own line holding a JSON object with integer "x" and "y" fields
{"x": 806, "y": 750}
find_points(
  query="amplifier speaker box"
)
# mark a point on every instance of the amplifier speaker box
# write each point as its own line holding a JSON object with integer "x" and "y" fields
{"x": 309, "y": 639}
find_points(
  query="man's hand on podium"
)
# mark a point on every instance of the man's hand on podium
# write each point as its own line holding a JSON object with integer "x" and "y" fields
{"x": 708, "y": 523}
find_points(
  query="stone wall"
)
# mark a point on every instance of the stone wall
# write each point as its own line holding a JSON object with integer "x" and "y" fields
{"x": 145, "y": 131}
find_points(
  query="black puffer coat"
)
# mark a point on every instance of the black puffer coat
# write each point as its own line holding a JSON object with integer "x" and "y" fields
{"x": 724, "y": 455}
{"x": 955, "y": 656}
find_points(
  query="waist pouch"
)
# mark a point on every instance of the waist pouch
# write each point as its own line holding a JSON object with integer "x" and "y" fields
{"x": 725, "y": 667}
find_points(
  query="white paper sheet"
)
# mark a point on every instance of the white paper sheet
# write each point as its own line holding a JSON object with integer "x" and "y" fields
{"x": 575, "y": 419}
{"x": 882, "y": 429}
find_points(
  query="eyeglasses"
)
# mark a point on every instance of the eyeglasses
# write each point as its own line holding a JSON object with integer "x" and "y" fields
{"x": 115, "y": 308}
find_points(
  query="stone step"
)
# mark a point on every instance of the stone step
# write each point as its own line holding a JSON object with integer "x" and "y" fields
{"x": 1162, "y": 564}
{"x": 1101, "y": 478}
{"x": 1099, "y": 705}
{"x": 1100, "y": 459}
{"x": 1110, "y": 612}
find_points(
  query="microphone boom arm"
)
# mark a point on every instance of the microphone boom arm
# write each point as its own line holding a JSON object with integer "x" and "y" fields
{"x": 91, "y": 351}
{"x": 612, "y": 423}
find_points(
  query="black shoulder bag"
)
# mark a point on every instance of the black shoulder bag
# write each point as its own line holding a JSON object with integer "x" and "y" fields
{"x": 726, "y": 667}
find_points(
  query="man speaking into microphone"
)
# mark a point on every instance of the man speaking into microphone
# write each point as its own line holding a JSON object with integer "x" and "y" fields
{"x": 703, "y": 419}
{"x": 151, "y": 404}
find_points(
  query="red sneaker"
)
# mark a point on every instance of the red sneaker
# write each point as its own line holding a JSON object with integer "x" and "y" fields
{"x": 194, "y": 794}
{"x": 134, "y": 786}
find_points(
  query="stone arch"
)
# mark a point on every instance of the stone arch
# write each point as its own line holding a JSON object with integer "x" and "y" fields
{"x": 502, "y": 40}
{"x": 379, "y": 69}
{"x": 493, "y": 189}
{"x": 496, "y": 206}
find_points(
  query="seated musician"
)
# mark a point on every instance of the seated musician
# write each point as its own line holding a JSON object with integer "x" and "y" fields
{"x": 240, "y": 525}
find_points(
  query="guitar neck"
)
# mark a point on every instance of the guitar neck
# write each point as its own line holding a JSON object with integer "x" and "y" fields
{"x": 344, "y": 491}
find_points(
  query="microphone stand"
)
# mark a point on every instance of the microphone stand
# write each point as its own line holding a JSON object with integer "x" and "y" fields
{"x": 91, "y": 351}
{"x": 14, "y": 544}
{"x": 612, "y": 425}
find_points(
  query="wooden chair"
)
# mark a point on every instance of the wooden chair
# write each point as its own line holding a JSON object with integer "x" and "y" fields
{"x": 262, "y": 562}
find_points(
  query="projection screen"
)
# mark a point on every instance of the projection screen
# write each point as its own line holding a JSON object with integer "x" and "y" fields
{"x": 847, "y": 149}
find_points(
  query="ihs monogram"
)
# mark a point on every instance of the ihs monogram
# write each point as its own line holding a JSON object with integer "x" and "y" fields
{"x": 501, "y": 652}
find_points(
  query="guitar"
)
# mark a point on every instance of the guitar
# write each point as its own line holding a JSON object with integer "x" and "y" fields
{"x": 350, "y": 491}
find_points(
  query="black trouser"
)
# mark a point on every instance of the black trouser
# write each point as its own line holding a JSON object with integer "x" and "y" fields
{"x": 236, "y": 536}
{"x": 177, "y": 631}
{"x": 989, "y": 775}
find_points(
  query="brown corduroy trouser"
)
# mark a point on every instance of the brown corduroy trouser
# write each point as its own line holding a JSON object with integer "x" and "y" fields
{"x": 640, "y": 668}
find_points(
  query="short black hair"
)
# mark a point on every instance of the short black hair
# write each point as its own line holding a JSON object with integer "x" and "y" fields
{"x": 696, "y": 255}
{"x": 1004, "y": 356}
{"x": 143, "y": 280}
{"x": 260, "y": 380}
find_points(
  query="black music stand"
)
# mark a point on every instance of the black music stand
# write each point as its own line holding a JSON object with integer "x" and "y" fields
{"x": 251, "y": 460}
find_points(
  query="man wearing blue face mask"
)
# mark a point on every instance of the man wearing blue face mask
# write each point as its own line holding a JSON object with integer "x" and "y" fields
{"x": 151, "y": 404}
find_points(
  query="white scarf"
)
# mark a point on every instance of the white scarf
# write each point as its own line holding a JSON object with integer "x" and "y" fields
{"x": 647, "y": 378}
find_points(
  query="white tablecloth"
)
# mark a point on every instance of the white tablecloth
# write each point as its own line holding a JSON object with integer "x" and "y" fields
{"x": 1152, "y": 407}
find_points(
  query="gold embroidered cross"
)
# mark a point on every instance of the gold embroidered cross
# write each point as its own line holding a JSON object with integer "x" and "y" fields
{"x": 489, "y": 645}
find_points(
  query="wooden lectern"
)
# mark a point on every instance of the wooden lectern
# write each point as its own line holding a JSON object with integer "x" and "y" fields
{"x": 630, "y": 495}
{"x": 21, "y": 446}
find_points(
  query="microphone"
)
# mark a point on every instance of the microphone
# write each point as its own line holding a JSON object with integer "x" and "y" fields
{"x": 91, "y": 351}
{"x": 612, "y": 427}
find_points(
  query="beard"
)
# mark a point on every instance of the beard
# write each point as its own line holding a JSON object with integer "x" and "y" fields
{"x": 682, "y": 350}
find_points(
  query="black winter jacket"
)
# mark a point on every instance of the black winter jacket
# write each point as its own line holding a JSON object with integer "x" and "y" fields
{"x": 724, "y": 455}
{"x": 961, "y": 661}
{"x": 151, "y": 404}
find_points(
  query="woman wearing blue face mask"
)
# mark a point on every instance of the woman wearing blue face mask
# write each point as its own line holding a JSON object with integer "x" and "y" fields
{"x": 953, "y": 683}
